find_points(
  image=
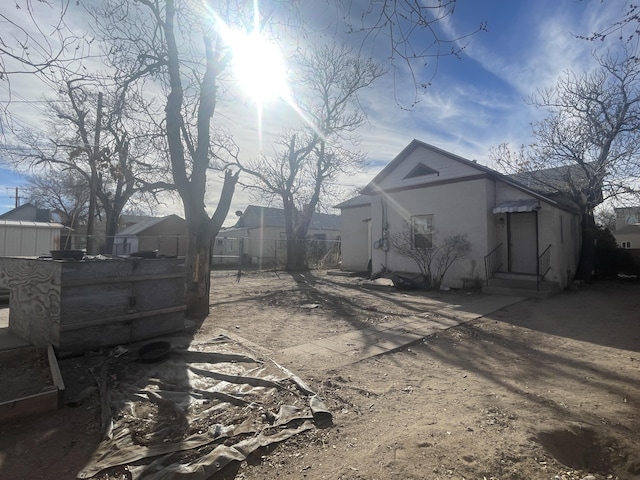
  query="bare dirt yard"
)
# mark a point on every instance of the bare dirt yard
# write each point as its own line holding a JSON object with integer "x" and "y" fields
{"x": 543, "y": 389}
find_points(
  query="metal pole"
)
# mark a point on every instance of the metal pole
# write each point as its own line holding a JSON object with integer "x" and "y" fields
{"x": 92, "y": 183}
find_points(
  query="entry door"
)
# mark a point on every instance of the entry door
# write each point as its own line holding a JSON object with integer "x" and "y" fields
{"x": 523, "y": 244}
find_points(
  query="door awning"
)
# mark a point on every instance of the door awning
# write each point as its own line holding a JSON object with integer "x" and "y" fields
{"x": 517, "y": 206}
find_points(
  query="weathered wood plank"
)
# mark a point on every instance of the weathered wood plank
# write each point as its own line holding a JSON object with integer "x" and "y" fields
{"x": 108, "y": 280}
{"x": 154, "y": 326}
{"x": 49, "y": 399}
{"x": 158, "y": 294}
{"x": 91, "y": 302}
{"x": 56, "y": 375}
{"x": 39, "y": 403}
{"x": 103, "y": 299}
{"x": 123, "y": 318}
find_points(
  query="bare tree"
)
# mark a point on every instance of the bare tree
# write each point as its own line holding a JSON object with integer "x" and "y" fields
{"x": 179, "y": 46}
{"x": 587, "y": 148}
{"x": 155, "y": 40}
{"x": 100, "y": 143}
{"x": 34, "y": 36}
{"x": 65, "y": 193}
{"x": 410, "y": 34}
{"x": 625, "y": 29}
{"x": 433, "y": 260}
{"x": 309, "y": 160}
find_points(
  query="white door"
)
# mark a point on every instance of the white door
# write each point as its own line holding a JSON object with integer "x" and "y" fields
{"x": 523, "y": 245}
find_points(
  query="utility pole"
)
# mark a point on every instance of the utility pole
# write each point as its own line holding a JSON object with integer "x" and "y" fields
{"x": 93, "y": 160}
{"x": 17, "y": 198}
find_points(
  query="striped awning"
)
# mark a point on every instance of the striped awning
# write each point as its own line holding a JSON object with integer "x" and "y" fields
{"x": 517, "y": 206}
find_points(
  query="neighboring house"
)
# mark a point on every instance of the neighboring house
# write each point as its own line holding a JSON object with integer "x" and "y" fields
{"x": 628, "y": 237}
{"x": 259, "y": 237}
{"x": 125, "y": 220}
{"x": 434, "y": 194}
{"x": 28, "y": 231}
{"x": 28, "y": 212}
{"x": 20, "y": 238}
{"x": 167, "y": 235}
{"x": 627, "y": 232}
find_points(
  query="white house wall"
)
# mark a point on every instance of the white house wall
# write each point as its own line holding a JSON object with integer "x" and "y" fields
{"x": 354, "y": 231}
{"x": 560, "y": 229}
{"x": 632, "y": 238}
{"x": 446, "y": 167}
{"x": 458, "y": 208}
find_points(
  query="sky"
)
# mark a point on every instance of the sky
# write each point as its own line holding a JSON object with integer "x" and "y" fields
{"x": 475, "y": 102}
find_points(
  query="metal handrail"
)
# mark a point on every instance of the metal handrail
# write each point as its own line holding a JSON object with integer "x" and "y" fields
{"x": 493, "y": 262}
{"x": 544, "y": 265}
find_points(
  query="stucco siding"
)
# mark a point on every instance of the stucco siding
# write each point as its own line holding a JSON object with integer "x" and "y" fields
{"x": 446, "y": 167}
{"x": 560, "y": 230}
{"x": 354, "y": 234}
{"x": 632, "y": 238}
{"x": 455, "y": 210}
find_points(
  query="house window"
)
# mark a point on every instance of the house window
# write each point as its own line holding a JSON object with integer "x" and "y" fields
{"x": 282, "y": 243}
{"x": 626, "y": 244}
{"x": 219, "y": 242}
{"x": 231, "y": 244}
{"x": 422, "y": 231}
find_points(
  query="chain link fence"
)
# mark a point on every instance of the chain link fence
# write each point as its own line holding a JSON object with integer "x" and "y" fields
{"x": 249, "y": 252}
{"x": 244, "y": 252}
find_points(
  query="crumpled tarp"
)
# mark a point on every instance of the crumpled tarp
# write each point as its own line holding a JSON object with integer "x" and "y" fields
{"x": 206, "y": 405}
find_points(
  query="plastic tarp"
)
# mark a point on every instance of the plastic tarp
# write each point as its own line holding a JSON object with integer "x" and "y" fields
{"x": 197, "y": 410}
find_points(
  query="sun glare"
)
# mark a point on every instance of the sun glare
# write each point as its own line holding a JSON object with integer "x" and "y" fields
{"x": 258, "y": 66}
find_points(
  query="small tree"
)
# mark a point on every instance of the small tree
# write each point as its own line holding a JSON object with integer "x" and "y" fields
{"x": 433, "y": 262}
{"x": 308, "y": 161}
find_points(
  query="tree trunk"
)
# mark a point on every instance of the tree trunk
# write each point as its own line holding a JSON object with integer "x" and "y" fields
{"x": 296, "y": 254}
{"x": 197, "y": 268}
{"x": 588, "y": 251}
{"x": 201, "y": 231}
{"x": 110, "y": 232}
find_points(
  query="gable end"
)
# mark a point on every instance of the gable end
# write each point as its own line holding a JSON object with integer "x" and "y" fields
{"x": 421, "y": 170}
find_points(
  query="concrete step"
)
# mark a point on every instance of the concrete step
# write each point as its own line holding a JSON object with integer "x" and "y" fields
{"x": 529, "y": 284}
{"x": 518, "y": 292}
{"x": 521, "y": 285}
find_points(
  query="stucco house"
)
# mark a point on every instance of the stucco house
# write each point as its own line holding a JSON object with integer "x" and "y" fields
{"x": 259, "y": 237}
{"x": 627, "y": 232}
{"x": 628, "y": 237}
{"x": 167, "y": 235}
{"x": 28, "y": 212}
{"x": 522, "y": 240}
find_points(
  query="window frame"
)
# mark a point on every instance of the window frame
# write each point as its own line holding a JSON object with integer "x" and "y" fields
{"x": 423, "y": 223}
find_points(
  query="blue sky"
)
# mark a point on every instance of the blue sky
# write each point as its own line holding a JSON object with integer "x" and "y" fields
{"x": 474, "y": 103}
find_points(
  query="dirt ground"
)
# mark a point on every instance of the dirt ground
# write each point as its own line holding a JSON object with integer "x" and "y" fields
{"x": 543, "y": 389}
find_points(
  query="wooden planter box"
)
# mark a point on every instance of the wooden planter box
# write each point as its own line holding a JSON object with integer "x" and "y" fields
{"x": 89, "y": 304}
{"x": 30, "y": 382}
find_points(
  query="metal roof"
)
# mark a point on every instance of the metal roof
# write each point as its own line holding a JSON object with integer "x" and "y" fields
{"x": 30, "y": 224}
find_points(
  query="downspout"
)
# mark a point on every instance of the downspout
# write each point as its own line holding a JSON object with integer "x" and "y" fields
{"x": 385, "y": 230}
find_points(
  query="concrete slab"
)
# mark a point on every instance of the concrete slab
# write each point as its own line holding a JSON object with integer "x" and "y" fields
{"x": 358, "y": 344}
